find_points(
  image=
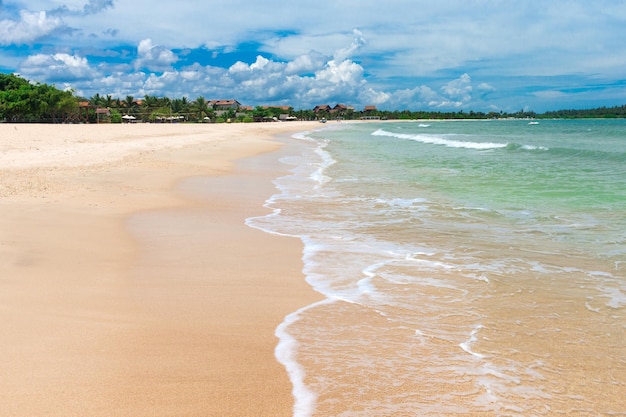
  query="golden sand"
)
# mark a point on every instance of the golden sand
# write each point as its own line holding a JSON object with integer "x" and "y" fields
{"x": 129, "y": 282}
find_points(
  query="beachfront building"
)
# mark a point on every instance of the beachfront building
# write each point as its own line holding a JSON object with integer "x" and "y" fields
{"x": 225, "y": 104}
{"x": 88, "y": 113}
{"x": 341, "y": 111}
{"x": 322, "y": 111}
{"x": 226, "y": 109}
{"x": 322, "y": 108}
{"x": 370, "y": 113}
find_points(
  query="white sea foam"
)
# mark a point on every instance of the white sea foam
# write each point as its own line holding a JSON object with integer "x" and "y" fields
{"x": 438, "y": 140}
{"x": 534, "y": 148}
{"x": 616, "y": 296}
{"x": 285, "y": 353}
{"x": 405, "y": 202}
{"x": 467, "y": 345}
{"x": 326, "y": 160}
{"x": 430, "y": 264}
{"x": 590, "y": 308}
{"x": 366, "y": 285}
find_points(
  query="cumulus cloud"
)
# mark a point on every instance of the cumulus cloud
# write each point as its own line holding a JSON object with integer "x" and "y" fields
{"x": 59, "y": 66}
{"x": 410, "y": 98}
{"x": 461, "y": 88}
{"x": 304, "y": 82}
{"x": 307, "y": 63}
{"x": 374, "y": 97}
{"x": 454, "y": 94}
{"x": 346, "y": 72}
{"x": 395, "y": 59}
{"x": 30, "y": 27}
{"x": 261, "y": 65}
{"x": 154, "y": 57}
{"x": 263, "y": 81}
{"x": 309, "y": 74}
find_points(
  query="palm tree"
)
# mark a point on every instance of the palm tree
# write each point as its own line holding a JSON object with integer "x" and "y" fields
{"x": 178, "y": 106}
{"x": 149, "y": 102}
{"x": 96, "y": 100}
{"x": 202, "y": 108}
{"x": 129, "y": 102}
{"x": 108, "y": 101}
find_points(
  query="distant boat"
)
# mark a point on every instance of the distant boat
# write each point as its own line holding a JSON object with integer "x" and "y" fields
{"x": 323, "y": 121}
{"x": 423, "y": 125}
{"x": 533, "y": 123}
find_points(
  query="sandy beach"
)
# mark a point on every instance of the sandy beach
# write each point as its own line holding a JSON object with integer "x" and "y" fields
{"x": 129, "y": 282}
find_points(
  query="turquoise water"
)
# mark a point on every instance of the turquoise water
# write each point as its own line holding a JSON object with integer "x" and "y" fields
{"x": 470, "y": 267}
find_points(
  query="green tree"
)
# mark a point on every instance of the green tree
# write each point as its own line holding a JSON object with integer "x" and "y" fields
{"x": 108, "y": 101}
{"x": 202, "y": 109}
{"x": 22, "y": 101}
{"x": 96, "y": 100}
{"x": 129, "y": 102}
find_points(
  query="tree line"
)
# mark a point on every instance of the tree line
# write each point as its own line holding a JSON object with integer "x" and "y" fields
{"x": 24, "y": 101}
{"x": 153, "y": 109}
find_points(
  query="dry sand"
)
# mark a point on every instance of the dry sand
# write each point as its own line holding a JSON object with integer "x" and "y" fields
{"x": 129, "y": 283}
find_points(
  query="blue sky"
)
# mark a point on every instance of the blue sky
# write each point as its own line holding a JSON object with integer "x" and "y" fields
{"x": 395, "y": 54}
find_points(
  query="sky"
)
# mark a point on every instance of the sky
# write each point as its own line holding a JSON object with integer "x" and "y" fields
{"x": 446, "y": 55}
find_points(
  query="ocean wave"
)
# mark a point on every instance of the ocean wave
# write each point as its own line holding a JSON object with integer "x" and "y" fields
{"x": 563, "y": 152}
{"x": 589, "y": 154}
{"x": 437, "y": 140}
{"x": 521, "y": 147}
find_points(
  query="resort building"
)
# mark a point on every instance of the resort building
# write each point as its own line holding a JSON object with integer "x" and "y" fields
{"x": 224, "y": 104}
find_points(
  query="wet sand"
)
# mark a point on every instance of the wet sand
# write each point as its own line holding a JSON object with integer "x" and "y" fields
{"x": 129, "y": 282}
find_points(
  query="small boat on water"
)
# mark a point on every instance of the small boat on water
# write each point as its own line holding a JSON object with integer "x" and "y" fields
{"x": 533, "y": 123}
{"x": 323, "y": 120}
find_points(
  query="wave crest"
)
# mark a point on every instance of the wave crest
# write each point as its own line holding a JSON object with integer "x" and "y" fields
{"x": 437, "y": 140}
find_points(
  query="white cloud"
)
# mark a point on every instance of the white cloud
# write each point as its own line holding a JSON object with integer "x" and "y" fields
{"x": 346, "y": 72}
{"x": 59, "y": 66}
{"x": 460, "y": 88}
{"x": 154, "y": 57}
{"x": 485, "y": 87}
{"x": 369, "y": 96}
{"x": 261, "y": 65}
{"x": 321, "y": 58}
{"x": 306, "y": 63}
{"x": 96, "y": 6}
{"x": 420, "y": 97}
{"x": 345, "y": 53}
{"x": 30, "y": 27}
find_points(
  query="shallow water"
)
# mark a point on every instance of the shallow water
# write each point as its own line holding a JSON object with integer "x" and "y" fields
{"x": 468, "y": 267}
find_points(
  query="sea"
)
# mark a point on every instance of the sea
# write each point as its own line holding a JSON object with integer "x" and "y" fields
{"x": 467, "y": 268}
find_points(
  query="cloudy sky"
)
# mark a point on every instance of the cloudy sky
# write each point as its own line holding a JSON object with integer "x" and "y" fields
{"x": 396, "y": 54}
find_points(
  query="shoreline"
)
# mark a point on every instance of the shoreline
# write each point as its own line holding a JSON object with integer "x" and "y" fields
{"x": 124, "y": 288}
